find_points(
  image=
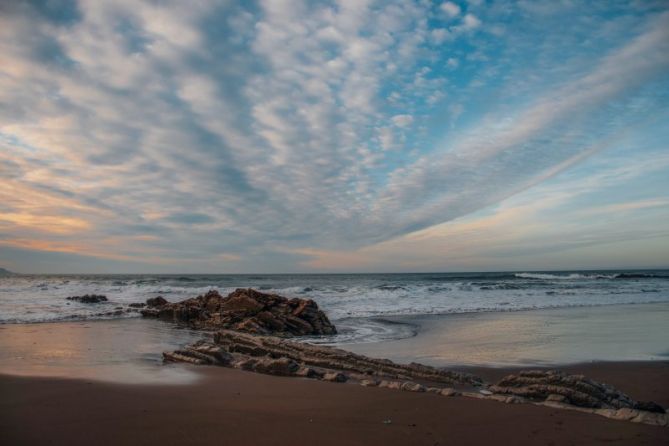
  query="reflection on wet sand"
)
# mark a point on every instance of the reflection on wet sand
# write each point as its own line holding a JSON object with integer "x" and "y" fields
{"x": 544, "y": 337}
{"x": 127, "y": 350}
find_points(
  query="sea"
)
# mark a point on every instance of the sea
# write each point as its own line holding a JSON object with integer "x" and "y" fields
{"x": 364, "y": 307}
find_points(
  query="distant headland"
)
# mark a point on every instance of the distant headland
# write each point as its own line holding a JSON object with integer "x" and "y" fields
{"x": 6, "y": 272}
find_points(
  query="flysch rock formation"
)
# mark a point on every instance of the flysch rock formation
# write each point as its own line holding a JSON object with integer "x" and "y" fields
{"x": 269, "y": 354}
{"x": 557, "y": 386}
{"x": 245, "y": 310}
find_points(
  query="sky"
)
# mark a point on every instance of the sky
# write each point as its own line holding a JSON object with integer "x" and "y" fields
{"x": 280, "y": 136}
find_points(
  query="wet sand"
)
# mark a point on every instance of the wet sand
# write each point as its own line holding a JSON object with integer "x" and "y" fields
{"x": 530, "y": 338}
{"x": 122, "y": 350}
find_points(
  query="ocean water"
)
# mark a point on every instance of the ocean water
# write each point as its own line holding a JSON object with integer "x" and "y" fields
{"x": 363, "y": 306}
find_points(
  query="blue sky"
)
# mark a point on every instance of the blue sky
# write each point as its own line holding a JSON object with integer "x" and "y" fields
{"x": 287, "y": 136}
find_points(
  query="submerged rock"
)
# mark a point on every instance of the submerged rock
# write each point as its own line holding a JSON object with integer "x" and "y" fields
{"x": 245, "y": 310}
{"x": 89, "y": 298}
{"x": 576, "y": 390}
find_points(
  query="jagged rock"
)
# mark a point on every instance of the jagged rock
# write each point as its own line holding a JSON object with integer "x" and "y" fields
{"x": 219, "y": 355}
{"x": 649, "y": 406}
{"x": 280, "y": 367}
{"x": 89, "y": 298}
{"x": 156, "y": 302}
{"x": 558, "y": 387}
{"x": 335, "y": 359}
{"x": 280, "y": 356}
{"x": 245, "y": 310}
{"x": 137, "y": 305}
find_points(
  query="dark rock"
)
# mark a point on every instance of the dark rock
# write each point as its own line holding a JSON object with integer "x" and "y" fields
{"x": 577, "y": 390}
{"x": 649, "y": 406}
{"x": 245, "y": 310}
{"x": 280, "y": 367}
{"x": 308, "y": 372}
{"x": 137, "y": 305}
{"x": 89, "y": 298}
{"x": 156, "y": 302}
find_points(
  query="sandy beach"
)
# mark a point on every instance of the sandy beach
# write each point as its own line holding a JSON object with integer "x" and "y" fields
{"x": 104, "y": 382}
{"x": 241, "y": 408}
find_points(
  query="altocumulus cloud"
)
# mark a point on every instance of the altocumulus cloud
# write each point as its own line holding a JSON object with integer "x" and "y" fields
{"x": 245, "y": 135}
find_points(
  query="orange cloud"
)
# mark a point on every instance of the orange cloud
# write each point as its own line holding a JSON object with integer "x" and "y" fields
{"x": 45, "y": 223}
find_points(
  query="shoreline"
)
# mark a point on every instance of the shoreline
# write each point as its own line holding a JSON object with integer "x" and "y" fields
{"x": 129, "y": 349}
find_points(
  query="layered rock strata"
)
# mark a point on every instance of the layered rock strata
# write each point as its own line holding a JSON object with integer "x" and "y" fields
{"x": 260, "y": 353}
{"x": 577, "y": 390}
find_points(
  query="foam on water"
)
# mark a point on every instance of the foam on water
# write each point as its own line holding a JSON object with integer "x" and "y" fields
{"x": 357, "y": 304}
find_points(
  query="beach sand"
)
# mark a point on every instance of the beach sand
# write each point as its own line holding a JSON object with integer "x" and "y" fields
{"x": 103, "y": 383}
{"x": 234, "y": 407}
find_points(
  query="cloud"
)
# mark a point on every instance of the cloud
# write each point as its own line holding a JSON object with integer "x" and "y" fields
{"x": 440, "y": 35}
{"x": 470, "y": 21}
{"x": 547, "y": 134}
{"x": 402, "y": 120}
{"x": 450, "y": 8}
{"x": 238, "y": 132}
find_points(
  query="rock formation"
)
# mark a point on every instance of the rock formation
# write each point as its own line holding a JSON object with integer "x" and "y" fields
{"x": 577, "y": 390}
{"x": 89, "y": 298}
{"x": 245, "y": 310}
{"x": 267, "y": 354}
